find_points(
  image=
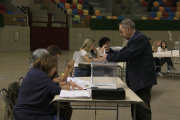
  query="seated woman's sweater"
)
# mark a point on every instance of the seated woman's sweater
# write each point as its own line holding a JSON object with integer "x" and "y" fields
{"x": 36, "y": 92}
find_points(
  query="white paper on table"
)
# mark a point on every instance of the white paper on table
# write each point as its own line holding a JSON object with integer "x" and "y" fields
{"x": 74, "y": 94}
{"x": 82, "y": 83}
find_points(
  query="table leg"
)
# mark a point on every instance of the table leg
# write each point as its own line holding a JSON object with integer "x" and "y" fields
{"x": 117, "y": 110}
{"x": 58, "y": 112}
{"x": 134, "y": 111}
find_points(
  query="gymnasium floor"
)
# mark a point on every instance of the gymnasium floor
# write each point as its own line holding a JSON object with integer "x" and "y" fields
{"x": 165, "y": 102}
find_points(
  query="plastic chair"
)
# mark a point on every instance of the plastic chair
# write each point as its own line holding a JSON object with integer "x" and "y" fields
{"x": 165, "y": 14}
{"x": 153, "y": 14}
{"x": 169, "y": 18}
{"x": 170, "y": 0}
{"x": 61, "y": 5}
{"x": 83, "y": 16}
{"x": 79, "y": 6}
{"x": 67, "y": 5}
{"x": 178, "y": 9}
{"x": 109, "y": 17}
{"x": 9, "y": 105}
{"x": 156, "y": 4}
{"x": 9, "y": 12}
{"x": 73, "y": 6}
{"x": 144, "y": 4}
{"x": 159, "y": 14}
{"x": 120, "y": 17}
{"x": 77, "y": 16}
{"x": 84, "y": 6}
{"x": 97, "y": 12}
{"x": 174, "y": 4}
{"x": 144, "y": 18}
{"x": 93, "y": 17}
{"x": 99, "y": 17}
{"x": 90, "y": 6}
{"x": 155, "y": 9}
{"x": 159, "y": 0}
{"x": 88, "y": 16}
{"x": 141, "y": 0}
{"x": 80, "y": 12}
{"x": 173, "y": 9}
{"x": 91, "y": 12}
{"x": 63, "y": 1}
{"x": 175, "y": 18}
{"x": 162, "y": 4}
{"x": 149, "y": 9}
{"x": 157, "y": 18}
{"x": 114, "y": 17}
{"x": 80, "y": 1}
{"x": 69, "y": 11}
{"x": 69, "y": 1}
{"x": 168, "y": 4}
{"x": 75, "y": 1}
{"x": 161, "y": 9}
{"x": 167, "y": 9}
{"x": 86, "y": 12}
{"x": 171, "y": 14}
{"x": 86, "y": 1}
{"x": 178, "y": 4}
{"x": 150, "y": 18}
{"x": 177, "y": 14}
{"x": 164, "y": 0}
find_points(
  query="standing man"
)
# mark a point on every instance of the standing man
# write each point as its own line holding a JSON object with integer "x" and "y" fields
{"x": 140, "y": 70}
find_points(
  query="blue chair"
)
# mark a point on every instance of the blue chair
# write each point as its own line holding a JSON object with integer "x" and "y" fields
{"x": 99, "y": 17}
{"x": 159, "y": 0}
{"x": 75, "y": 11}
{"x": 167, "y": 9}
{"x": 86, "y": 1}
{"x": 120, "y": 17}
{"x": 85, "y": 6}
{"x": 155, "y": 9}
{"x": 169, "y": 18}
{"x": 61, "y": 5}
{"x": 153, "y": 14}
{"x": 162, "y": 4}
{"x": 171, "y": 14}
{"x": 83, "y": 16}
{"x": 9, "y": 12}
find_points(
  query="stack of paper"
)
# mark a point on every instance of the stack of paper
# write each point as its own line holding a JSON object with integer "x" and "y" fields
{"x": 82, "y": 83}
{"x": 74, "y": 94}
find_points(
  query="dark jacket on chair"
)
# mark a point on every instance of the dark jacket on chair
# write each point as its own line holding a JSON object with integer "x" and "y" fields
{"x": 36, "y": 92}
{"x": 140, "y": 70}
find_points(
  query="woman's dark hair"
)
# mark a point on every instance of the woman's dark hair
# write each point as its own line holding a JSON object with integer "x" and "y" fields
{"x": 103, "y": 40}
{"x": 165, "y": 42}
{"x": 46, "y": 63}
{"x": 53, "y": 50}
{"x": 149, "y": 38}
{"x": 92, "y": 39}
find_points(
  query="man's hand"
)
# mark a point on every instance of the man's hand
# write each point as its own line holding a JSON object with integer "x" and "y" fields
{"x": 71, "y": 64}
{"x": 104, "y": 57}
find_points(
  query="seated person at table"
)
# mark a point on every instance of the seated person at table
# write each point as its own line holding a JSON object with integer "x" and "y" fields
{"x": 161, "y": 61}
{"x": 55, "y": 51}
{"x": 84, "y": 56}
{"x": 94, "y": 53}
{"x": 103, "y": 43}
{"x": 38, "y": 90}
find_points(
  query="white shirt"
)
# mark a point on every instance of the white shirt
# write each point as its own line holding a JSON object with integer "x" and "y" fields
{"x": 80, "y": 57}
{"x": 99, "y": 51}
{"x": 161, "y": 50}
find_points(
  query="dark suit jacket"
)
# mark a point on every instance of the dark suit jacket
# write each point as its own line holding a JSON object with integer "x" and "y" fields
{"x": 140, "y": 70}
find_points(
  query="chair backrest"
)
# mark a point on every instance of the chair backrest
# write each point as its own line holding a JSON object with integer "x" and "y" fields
{"x": 5, "y": 95}
{"x": 13, "y": 90}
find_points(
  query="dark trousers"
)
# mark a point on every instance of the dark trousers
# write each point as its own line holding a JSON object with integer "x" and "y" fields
{"x": 141, "y": 112}
{"x": 161, "y": 61}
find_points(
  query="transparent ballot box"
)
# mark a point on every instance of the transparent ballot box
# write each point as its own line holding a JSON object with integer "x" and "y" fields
{"x": 103, "y": 74}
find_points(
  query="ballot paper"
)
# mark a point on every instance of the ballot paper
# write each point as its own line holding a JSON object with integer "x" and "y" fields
{"x": 82, "y": 83}
{"x": 74, "y": 94}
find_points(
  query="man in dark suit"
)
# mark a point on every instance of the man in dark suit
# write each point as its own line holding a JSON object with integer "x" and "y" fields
{"x": 140, "y": 70}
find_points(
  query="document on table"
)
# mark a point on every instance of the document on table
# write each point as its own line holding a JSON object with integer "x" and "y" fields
{"x": 82, "y": 83}
{"x": 74, "y": 94}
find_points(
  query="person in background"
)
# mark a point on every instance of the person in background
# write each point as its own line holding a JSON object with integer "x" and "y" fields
{"x": 161, "y": 61}
{"x": 84, "y": 56}
{"x": 38, "y": 90}
{"x": 55, "y": 51}
{"x": 103, "y": 43}
{"x": 38, "y": 53}
{"x": 94, "y": 53}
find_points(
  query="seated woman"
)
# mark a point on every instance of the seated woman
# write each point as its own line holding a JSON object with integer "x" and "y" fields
{"x": 38, "y": 90}
{"x": 161, "y": 61}
{"x": 103, "y": 43}
{"x": 84, "y": 56}
{"x": 94, "y": 53}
